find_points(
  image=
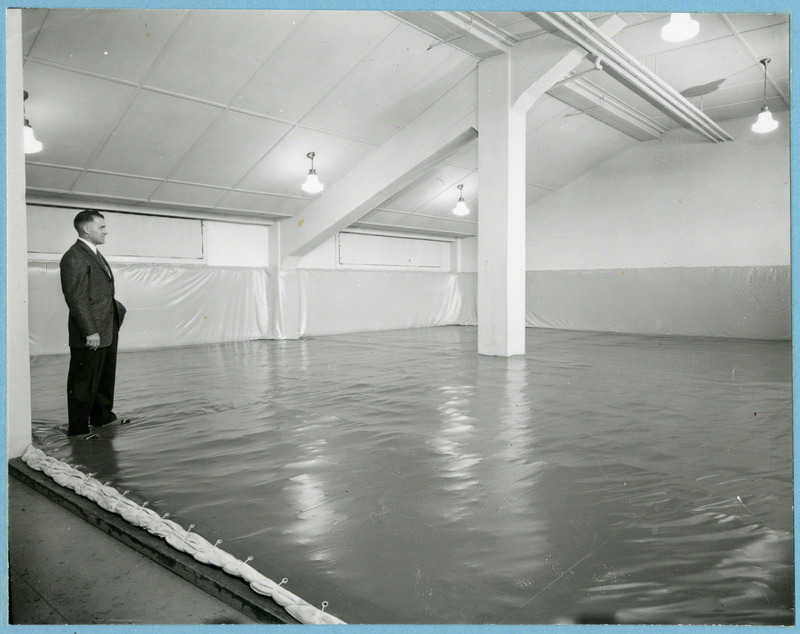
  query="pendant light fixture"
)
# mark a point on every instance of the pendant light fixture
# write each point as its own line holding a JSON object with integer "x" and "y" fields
{"x": 32, "y": 146}
{"x": 461, "y": 208}
{"x": 765, "y": 122}
{"x": 681, "y": 27}
{"x": 312, "y": 184}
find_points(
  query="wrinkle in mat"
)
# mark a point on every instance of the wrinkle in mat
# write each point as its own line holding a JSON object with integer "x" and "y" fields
{"x": 404, "y": 478}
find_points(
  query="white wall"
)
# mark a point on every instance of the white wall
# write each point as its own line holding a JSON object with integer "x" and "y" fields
{"x": 145, "y": 238}
{"x": 376, "y": 252}
{"x": 678, "y": 202}
{"x": 230, "y": 244}
{"x": 133, "y": 236}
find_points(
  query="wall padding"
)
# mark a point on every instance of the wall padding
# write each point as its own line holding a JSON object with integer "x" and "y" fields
{"x": 740, "y": 302}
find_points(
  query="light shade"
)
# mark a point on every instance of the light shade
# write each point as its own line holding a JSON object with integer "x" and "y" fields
{"x": 681, "y": 27}
{"x": 765, "y": 122}
{"x": 461, "y": 208}
{"x": 32, "y": 146}
{"x": 312, "y": 184}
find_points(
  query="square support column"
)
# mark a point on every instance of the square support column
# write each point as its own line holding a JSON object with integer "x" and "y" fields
{"x": 501, "y": 223}
{"x": 18, "y": 379}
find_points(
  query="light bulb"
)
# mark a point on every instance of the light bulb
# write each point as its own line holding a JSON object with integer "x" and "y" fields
{"x": 765, "y": 122}
{"x": 680, "y": 28}
{"x": 32, "y": 146}
{"x": 461, "y": 208}
{"x": 312, "y": 184}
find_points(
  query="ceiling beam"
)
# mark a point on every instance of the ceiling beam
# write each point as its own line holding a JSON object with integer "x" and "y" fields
{"x": 147, "y": 209}
{"x": 540, "y": 63}
{"x": 634, "y": 74}
{"x": 476, "y": 27}
{"x": 434, "y": 135}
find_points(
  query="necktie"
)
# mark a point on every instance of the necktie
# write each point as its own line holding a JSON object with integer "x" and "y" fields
{"x": 104, "y": 263}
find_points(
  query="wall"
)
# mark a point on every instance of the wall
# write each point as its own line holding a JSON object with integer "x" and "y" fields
{"x": 679, "y": 202}
{"x": 358, "y": 250}
{"x": 230, "y": 244}
{"x": 190, "y": 281}
{"x": 686, "y": 216}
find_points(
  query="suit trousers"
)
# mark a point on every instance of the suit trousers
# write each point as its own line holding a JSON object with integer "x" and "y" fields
{"x": 90, "y": 386}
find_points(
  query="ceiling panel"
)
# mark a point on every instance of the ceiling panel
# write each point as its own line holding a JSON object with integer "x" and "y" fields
{"x": 194, "y": 195}
{"x": 402, "y": 66}
{"x": 744, "y": 22}
{"x": 217, "y": 52}
{"x": 514, "y": 23}
{"x": 551, "y": 152}
{"x": 746, "y": 109}
{"x": 235, "y": 100}
{"x": 32, "y": 20}
{"x": 312, "y": 61}
{"x": 545, "y": 110}
{"x": 466, "y": 157}
{"x": 467, "y": 225}
{"x": 229, "y": 149}
{"x": 112, "y": 185}
{"x": 734, "y": 94}
{"x": 71, "y": 113}
{"x": 154, "y": 134}
{"x": 283, "y": 170}
{"x": 534, "y": 193}
{"x": 246, "y": 201}
{"x": 439, "y": 30}
{"x": 425, "y": 93}
{"x": 643, "y": 39}
{"x": 502, "y": 18}
{"x": 45, "y": 177}
{"x": 292, "y": 206}
{"x": 719, "y": 55}
{"x": 764, "y": 42}
{"x": 443, "y": 178}
{"x": 113, "y": 43}
{"x": 442, "y": 204}
{"x": 453, "y": 225}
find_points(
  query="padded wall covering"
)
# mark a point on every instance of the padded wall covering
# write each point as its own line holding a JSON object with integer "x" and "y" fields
{"x": 337, "y": 301}
{"x": 168, "y": 305}
{"x": 177, "y": 305}
{"x": 741, "y": 302}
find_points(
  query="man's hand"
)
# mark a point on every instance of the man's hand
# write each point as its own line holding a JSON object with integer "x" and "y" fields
{"x": 93, "y": 341}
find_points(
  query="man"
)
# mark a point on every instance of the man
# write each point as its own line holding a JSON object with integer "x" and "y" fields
{"x": 94, "y": 321}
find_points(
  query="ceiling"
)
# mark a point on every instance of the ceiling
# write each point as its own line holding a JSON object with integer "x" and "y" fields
{"x": 214, "y": 111}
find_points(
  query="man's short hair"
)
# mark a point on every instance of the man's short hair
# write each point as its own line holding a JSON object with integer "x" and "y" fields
{"x": 84, "y": 218}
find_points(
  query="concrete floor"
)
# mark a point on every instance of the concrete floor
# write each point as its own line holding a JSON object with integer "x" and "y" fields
{"x": 63, "y": 570}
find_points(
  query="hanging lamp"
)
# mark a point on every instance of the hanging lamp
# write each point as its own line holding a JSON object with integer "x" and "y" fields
{"x": 765, "y": 123}
{"x": 31, "y": 144}
{"x": 461, "y": 208}
{"x": 312, "y": 185}
{"x": 681, "y": 27}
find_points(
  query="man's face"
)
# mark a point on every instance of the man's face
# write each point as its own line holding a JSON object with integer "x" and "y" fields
{"x": 96, "y": 231}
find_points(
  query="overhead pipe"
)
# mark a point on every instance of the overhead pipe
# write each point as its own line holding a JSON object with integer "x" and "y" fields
{"x": 581, "y": 30}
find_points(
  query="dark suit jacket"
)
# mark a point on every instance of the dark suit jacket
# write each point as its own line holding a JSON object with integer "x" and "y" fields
{"x": 89, "y": 292}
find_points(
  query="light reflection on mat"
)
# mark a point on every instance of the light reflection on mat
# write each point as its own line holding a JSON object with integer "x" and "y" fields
{"x": 406, "y": 479}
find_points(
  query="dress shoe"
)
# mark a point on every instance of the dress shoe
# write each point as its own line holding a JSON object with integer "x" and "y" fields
{"x": 86, "y": 435}
{"x": 114, "y": 423}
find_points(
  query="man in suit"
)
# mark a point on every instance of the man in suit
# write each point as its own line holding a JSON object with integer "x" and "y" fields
{"x": 94, "y": 321}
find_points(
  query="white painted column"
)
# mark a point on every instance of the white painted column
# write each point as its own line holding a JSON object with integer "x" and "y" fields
{"x": 18, "y": 379}
{"x": 501, "y": 222}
